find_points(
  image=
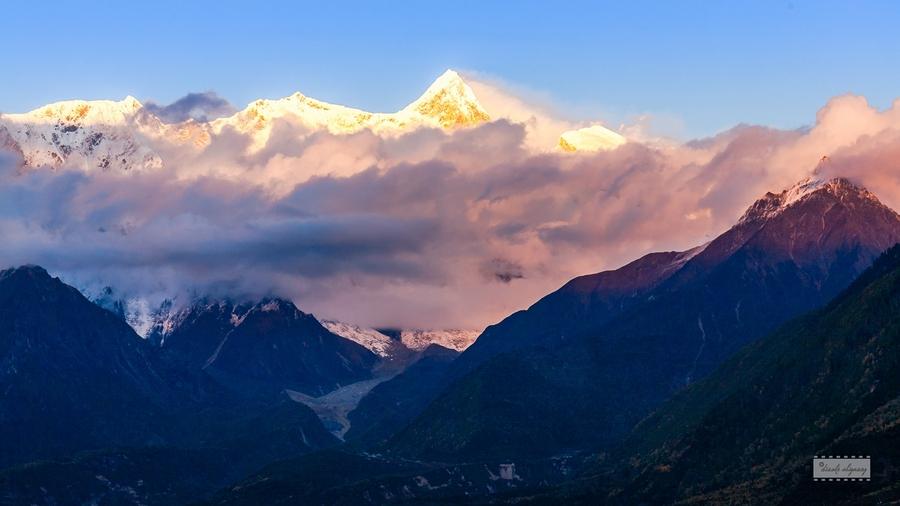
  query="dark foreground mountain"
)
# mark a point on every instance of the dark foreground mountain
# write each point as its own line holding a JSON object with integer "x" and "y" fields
{"x": 267, "y": 346}
{"x": 75, "y": 378}
{"x": 581, "y": 367}
{"x": 825, "y": 384}
{"x": 72, "y": 375}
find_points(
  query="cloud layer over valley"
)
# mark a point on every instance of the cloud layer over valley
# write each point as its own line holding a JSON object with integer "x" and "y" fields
{"x": 426, "y": 228}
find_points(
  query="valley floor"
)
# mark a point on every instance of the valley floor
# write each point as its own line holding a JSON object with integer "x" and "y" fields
{"x": 333, "y": 407}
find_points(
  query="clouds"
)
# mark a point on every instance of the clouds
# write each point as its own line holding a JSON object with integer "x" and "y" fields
{"x": 203, "y": 106}
{"x": 427, "y": 229}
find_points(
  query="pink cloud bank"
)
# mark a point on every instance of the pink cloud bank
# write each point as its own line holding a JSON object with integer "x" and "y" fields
{"x": 428, "y": 229}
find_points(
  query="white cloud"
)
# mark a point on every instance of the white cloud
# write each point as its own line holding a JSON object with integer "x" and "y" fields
{"x": 429, "y": 229}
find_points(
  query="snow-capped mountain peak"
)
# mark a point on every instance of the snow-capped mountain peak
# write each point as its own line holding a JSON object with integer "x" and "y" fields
{"x": 449, "y": 101}
{"x": 96, "y": 134}
{"x": 373, "y": 340}
{"x": 126, "y": 136}
{"x": 773, "y": 204}
{"x": 454, "y": 339}
{"x": 590, "y": 139}
{"x": 388, "y": 343}
{"x": 258, "y": 118}
{"x": 81, "y": 112}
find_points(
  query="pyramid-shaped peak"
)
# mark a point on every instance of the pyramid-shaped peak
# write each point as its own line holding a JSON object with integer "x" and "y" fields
{"x": 450, "y": 102}
{"x": 813, "y": 184}
{"x": 451, "y": 83}
{"x": 773, "y": 204}
{"x": 449, "y": 78}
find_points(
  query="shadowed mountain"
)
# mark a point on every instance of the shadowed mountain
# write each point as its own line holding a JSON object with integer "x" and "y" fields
{"x": 583, "y": 302}
{"x": 386, "y": 409}
{"x": 72, "y": 375}
{"x": 585, "y": 364}
{"x": 75, "y": 377}
{"x": 553, "y": 321}
{"x": 824, "y": 384}
{"x": 267, "y": 346}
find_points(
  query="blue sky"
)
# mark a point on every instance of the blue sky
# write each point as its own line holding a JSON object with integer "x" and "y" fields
{"x": 702, "y": 65}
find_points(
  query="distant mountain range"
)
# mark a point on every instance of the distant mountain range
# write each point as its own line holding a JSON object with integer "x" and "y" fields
{"x": 126, "y": 136}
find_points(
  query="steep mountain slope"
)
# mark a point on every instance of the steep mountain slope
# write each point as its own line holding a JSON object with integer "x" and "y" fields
{"x": 96, "y": 135}
{"x": 377, "y": 342}
{"x": 589, "y": 377}
{"x": 823, "y": 384}
{"x": 267, "y": 346}
{"x": 553, "y": 321}
{"x": 72, "y": 375}
{"x": 191, "y": 335}
{"x": 392, "y": 404}
{"x": 584, "y": 302}
{"x": 448, "y": 102}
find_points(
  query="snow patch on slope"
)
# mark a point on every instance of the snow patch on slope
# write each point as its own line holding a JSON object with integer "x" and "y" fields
{"x": 371, "y": 339}
{"x": 416, "y": 340}
{"x": 454, "y": 339}
{"x": 773, "y": 204}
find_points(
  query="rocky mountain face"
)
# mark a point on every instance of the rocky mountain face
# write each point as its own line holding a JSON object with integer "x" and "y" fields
{"x": 191, "y": 335}
{"x": 585, "y": 364}
{"x": 824, "y": 384}
{"x": 270, "y": 345}
{"x": 277, "y": 343}
{"x": 96, "y": 135}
